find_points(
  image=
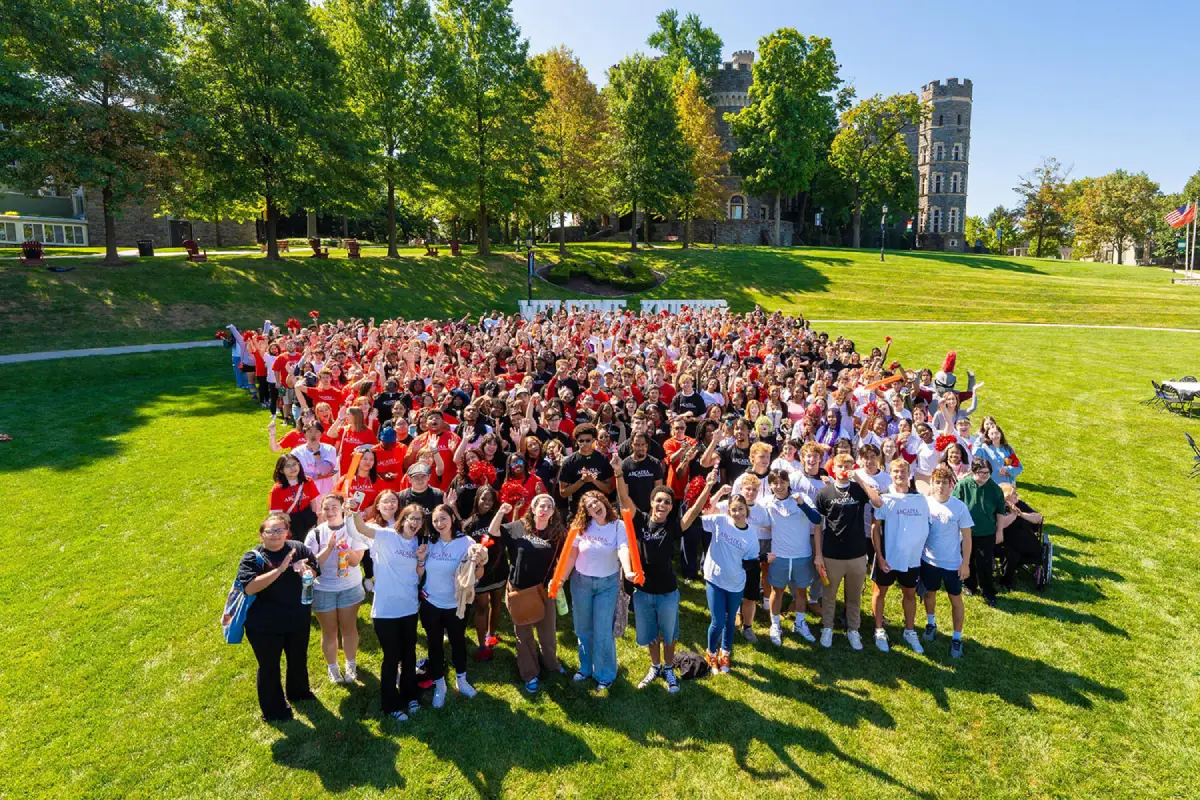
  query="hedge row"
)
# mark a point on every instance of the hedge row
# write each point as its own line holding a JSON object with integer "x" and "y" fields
{"x": 633, "y": 278}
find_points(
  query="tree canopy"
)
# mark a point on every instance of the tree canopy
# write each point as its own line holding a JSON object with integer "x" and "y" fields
{"x": 688, "y": 42}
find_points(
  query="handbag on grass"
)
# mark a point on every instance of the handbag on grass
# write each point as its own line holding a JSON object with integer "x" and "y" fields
{"x": 233, "y": 619}
{"x": 525, "y": 606}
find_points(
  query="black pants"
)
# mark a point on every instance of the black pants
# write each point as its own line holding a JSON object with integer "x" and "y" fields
{"x": 272, "y": 396}
{"x": 691, "y": 551}
{"x": 261, "y": 388}
{"x": 983, "y": 565}
{"x": 398, "y": 641}
{"x": 437, "y": 621}
{"x": 1020, "y": 547}
{"x": 268, "y": 647}
{"x": 303, "y": 521}
{"x": 368, "y": 566}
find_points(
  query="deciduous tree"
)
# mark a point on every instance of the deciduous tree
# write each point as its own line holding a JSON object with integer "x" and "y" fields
{"x": 869, "y": 151}
{"x": 1117, "y": 209}
{"x": 688, "y": 42}
{"x": 1043, "y": 206}
{"x": 698, "y": 125}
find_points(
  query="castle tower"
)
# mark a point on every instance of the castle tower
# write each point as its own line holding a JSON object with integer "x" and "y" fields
{"x": 942, "y": 150}
{"x": 730, "y": 94}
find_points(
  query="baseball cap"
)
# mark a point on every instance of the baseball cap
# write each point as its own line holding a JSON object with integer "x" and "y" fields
{"x": 418, "y": 469}
{"x": 388, "y": 435}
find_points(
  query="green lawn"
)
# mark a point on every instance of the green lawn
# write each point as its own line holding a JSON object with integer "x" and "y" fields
{"x": 128, "y": 515}
{"x": 167, "y": 299}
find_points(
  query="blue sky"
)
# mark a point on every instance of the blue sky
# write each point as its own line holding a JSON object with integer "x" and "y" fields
{"x": 1098, "y": 85}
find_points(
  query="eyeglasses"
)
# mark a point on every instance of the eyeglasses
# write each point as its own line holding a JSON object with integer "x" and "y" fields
{"x": 275, "y": 531}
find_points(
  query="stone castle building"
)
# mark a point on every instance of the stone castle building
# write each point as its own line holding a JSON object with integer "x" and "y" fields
{"x": 941, "y": 149}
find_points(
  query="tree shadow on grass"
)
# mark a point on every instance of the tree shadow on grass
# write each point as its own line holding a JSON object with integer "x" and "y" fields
{"x": 1031, "y": 607}
{"x": 1057, "y": 532}
{"x": 1042, "y": 488}
{"x": 102, "y": 399}
{"x": 776, "y": 273}
{"x": 975, "y": 262}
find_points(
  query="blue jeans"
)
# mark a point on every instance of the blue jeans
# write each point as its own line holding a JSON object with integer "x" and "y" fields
{"x": 595, "y": 605}
{"x": 723, "y": 606}
{"x": 238, "y": 375}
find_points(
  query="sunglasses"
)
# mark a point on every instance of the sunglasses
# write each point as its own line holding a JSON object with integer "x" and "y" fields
{"x": 585, "y": 440}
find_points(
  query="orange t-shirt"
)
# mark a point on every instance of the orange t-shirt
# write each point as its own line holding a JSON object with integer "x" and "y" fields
{"x": 677, "y": 478}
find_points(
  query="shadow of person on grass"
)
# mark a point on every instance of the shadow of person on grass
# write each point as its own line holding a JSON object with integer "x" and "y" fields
{"x": 340, "y": 749}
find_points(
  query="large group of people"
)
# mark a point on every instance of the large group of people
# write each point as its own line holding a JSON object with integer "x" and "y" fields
{"x": 586, "y": 463}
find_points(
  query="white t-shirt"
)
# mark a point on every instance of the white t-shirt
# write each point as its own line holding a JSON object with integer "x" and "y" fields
{"x": 791, "y": 530}
{"x": 597, "y": 547}
{"x": 807, "y": 485}
{"x": 757, "y": 518}
{"x": 269, "y": 361}
{"x": 790, "y": 466}
{"x": 395, "y": 559}
{"x": 883, "y": 484}
{"x": 943, "y": 548}
{"x": 308, "y": 459}
{"x": 440, "y": 565}
{"x": 906, "y": 527}
{"x": 329, "y": 580}
{"x": 927, "y": 455}
{"x": 729, "y": 547}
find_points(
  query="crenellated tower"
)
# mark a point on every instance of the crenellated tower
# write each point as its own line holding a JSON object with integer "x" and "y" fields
{"x": 942, "y": 148}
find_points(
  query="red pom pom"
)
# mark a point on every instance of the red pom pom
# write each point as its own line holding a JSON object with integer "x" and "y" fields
{"x": 433, "y": 349}
{"x": 293, "y": 324}
{"x": 314, "y": 314}
{"x": 944, "y": 441}
{"x": 948, "y": 364}
{"x": 887, "y": 339}
{"x": 694, "y": 488}
{"x": 221, "y": 334}
{"x": 481, "y": 473}
{"x": 513, "y": 493}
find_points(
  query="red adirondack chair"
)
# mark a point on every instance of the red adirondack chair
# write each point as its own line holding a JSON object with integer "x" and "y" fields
{"x": 455, "y": 250}
{"x": 318, "y": 251}
{"x": 193, "y": 250}
{"x": 352, "y": 248}
{"x": 32, "y": 254}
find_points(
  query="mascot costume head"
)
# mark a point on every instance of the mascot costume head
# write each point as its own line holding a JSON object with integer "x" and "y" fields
{"x": 946, "y": 381}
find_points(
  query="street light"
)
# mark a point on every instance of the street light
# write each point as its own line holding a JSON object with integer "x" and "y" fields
{"x": 882, "y": 231}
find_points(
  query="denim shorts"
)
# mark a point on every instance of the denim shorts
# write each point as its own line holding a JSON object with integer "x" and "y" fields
{"x": 332, "y": 601}
{"x": 656, "y": 616}
{"x": 796, "y": 572}
{"x": 933, "y": 577}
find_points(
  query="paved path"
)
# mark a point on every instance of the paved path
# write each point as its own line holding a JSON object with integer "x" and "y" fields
{"x": 19, "y": 358}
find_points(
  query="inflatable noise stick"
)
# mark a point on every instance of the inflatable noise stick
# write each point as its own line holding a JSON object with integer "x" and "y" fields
{"x": 635, "y": 555}
{"x": 560, "y": 568}
{"x": 348, "y": 481}
{"x": 870, "y": 387}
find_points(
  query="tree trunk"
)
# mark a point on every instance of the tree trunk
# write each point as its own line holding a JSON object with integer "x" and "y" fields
{"x": 646, "y": 227}
{"x": 800, "y": 223}
{"x": 391, "y": 219}
{"x": 633, "y": 226}
{"x": 345, "y": 227}
{"x": 272, "y": 229}
{"x": 110, "y": 227}
{"x": 485, "y": 248}
{"x": 217, "y": 230}
{"x": 1037, "y": 251}
{"x": 857, "y": 239}
{"x": 777, "y": 221}
{"x": 312, "y": 224}
{"x": 687, "y": 233}
{"x": 562, "y": 230}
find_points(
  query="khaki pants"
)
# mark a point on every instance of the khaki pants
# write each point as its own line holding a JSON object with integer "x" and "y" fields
{"x": 530, "y": 658}
{"x": 854, "y": 572}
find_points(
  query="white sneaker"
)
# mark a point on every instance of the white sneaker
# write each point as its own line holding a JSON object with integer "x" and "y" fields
{"x": 766, "y": 604}
{"x": 826, "y": 637}
{"x": 911, "y": 639}
{"x": 805, "y": 633}
{"x": 368, "y": 584}
{"x": 351, "y": 672}
{"x": 335, "y": 674}
{"x": 439, "y": 693}
{"x": 776, "y": 635}
{"x": 881, "y": 641}
{"x": 464, "y": 688}
{"x": 855, "y": 639}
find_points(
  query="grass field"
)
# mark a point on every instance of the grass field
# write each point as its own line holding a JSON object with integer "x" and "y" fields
{"x": 167, "y": 299}
{"x": 129, "y": 512}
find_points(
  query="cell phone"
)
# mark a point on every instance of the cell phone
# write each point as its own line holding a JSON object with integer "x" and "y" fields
{"x": 357, "y": 497}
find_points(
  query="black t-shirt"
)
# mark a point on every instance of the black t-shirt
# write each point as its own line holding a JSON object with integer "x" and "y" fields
{"x": 653, "y": 448}
{"x": 465, "y": 490}
{"x": 496, "y": 569}
{"x": 429, "y": 499}
{"x": 657, "y": 544}
{"x": 845, "y": 534}
{"x": 734, "y": 461}
{"x": 384, "y": 402}
{"x": 277, "y": 608}
{"x": 573, "y": 467}
{"x": 548, "y": 436}
{"x": 640, "y": 477}
{"x": 683, "y": 403}
{"x": 1022, "y": 535}
{"x": 531, "y": 557}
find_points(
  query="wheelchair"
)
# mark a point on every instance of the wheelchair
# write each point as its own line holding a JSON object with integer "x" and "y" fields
{"x": 1035, "y": 559}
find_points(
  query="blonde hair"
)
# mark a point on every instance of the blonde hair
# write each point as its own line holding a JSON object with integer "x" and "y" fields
{"x": 758, "y": 448}
{"x": 842, "y": 461}
{"x": 898, "y": 462}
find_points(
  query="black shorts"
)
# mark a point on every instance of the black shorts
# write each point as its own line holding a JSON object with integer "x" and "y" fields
{"x": 906, "y": 578}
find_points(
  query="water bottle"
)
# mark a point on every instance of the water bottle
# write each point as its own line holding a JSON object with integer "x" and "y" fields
{"x": 560, "y": 600}
{"x": 306, "y": 590}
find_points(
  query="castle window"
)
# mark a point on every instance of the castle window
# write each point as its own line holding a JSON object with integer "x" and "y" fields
{"x": 960, "y": 119}
{"x": 953, "y": 243}
{"x": 936, "y": 220}
{"x": 956, "y": 152}
{"x": 954, "y": 220}
{"x": 737, "y": 207}
{"x": 941, "y": 120}
{"x": 939, "y": 151}
{"x": 937, "y": 183}
{"x": 955, "y": 182}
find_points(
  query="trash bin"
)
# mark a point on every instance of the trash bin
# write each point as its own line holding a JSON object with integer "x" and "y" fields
{"x": 145, "y": 248}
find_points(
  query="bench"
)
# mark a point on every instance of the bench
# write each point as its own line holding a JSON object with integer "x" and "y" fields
{"x": 32, "y": 254}
{"x": 670, "y": 238}
{"x": 455, "y": 250}
{"x": 193, "y": 250}
{"x": 282, "y": 245}
{"x": 318, "y": 251}
{"x": 352, "y": 248}
{"x": 429, "y": 251}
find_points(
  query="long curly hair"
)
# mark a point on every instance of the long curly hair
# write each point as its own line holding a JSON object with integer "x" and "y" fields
{"x": 582, "y": 517}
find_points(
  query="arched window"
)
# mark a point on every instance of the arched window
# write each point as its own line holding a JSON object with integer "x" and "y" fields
{"x": 939, "y": 151}
{"x": 955, "y": 182}
{"x": 737, "y": 207}
{"x": 956, "y": 152}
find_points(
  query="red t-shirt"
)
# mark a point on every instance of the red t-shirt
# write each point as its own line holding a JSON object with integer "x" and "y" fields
{"x": 390, "y": 461}
{"x": 447, "y": 443}
{"x": 677, "y": 478}
{"x": 282, "y": 497}
{"x": 666, "y": 393}
{"x": 331, "y": 396}
{"x": 350, "y": 440}
{"x": 367, "y": 487}
{"x": 291, "y": 440}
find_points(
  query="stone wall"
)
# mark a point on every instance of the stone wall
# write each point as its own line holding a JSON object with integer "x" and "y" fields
{"x": 574, "y": 233}
{"x": 706, "y": 231}
{"x": 141, "y": 221}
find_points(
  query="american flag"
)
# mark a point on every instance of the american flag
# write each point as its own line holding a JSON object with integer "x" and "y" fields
{"x": 1181, "y": 216}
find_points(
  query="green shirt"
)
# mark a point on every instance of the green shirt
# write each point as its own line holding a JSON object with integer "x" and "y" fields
{"x": 984, "y": 503}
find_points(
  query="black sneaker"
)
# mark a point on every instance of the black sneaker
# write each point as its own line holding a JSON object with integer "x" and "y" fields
{"x": 991, "y": 601}
{"x": 956, "y": 648}
{"x": 930, "y": 632}
{"x": 672, "y": 679}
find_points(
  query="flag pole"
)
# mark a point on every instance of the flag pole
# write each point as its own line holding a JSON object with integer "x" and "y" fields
{"x": 1190, "y": 239}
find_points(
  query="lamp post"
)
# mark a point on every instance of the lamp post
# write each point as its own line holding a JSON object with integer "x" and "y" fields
{"x": 882, "y": 231}
{"x": 529, "y": 244}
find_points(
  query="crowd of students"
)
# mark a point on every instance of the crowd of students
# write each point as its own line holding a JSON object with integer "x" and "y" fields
{"x": 455, "y": 469}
